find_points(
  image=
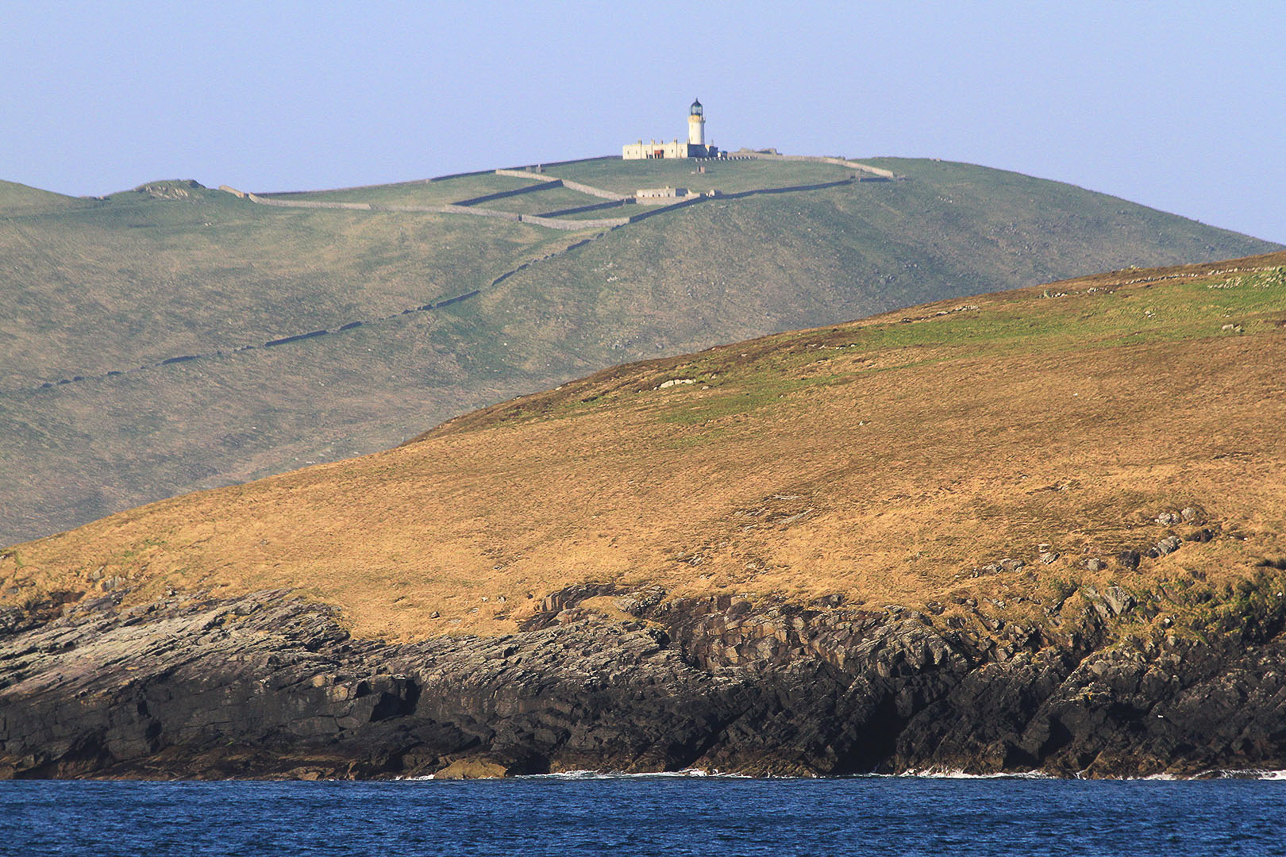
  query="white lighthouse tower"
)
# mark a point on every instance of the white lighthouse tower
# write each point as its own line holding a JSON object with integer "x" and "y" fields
{"x": 696, "y": 125}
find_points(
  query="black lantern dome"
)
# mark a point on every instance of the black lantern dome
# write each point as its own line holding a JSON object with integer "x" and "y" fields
{"x": 695, "y": 110}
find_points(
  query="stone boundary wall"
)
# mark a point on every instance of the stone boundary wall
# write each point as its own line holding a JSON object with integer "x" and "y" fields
{"x": 544, "y": 164}
{"x": 851, "y": 165}
{"x": 524, "y": 174}
{"x": 674, "y": 206}
{"x": 305, "y": 203}
{"x": 598, "y": 206}
{"x": 608, "y": 224}
{"x": 567, "y": 183}
{"x": 456, "y": 299}
{"x": 298, "y": 337}
{"x": 483, "y": 212}
{"x": 696, "y": 198}
{"x": 354, "y": 187}
{"x": 854, "y": 165}
{"x": 574, "y": 225}
{"x": 525, "y": 265}
{"x": 549, "y": 220}
{"x": 788, "y": 189}
{"x": 544, "y": 185}
{"x": 431, "y": 209}
{"x": 593, "y": 191}
{"x": 385, "y": 184}
{"x": 665, "y": 200}
{"x": 447, "y": 177}
{"x": 453, "y": 208}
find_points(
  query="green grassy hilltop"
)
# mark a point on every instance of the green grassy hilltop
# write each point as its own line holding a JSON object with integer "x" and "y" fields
{"x": 98, "y": 294}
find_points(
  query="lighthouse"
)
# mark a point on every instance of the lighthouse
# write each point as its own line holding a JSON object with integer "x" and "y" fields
{"x": 695, "y": 147}
{"x": 696, "y": 125}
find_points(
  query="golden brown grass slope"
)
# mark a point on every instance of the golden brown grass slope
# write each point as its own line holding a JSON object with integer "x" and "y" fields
{"x": 885, "y": 459}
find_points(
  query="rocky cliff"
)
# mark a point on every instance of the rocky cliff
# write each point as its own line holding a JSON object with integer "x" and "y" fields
{"x": 271, "y": 685}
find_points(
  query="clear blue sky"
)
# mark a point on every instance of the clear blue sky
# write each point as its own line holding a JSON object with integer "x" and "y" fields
{"x": 1181, "y": 106}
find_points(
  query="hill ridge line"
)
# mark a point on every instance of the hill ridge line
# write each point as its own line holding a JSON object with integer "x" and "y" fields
{"x": 605, "y": 225}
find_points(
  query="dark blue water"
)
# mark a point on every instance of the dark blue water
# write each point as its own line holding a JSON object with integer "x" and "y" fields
{"x": 646, "y": 816}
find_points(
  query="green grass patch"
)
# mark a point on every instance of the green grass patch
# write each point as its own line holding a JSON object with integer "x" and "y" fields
{"x": 729, "y": 402}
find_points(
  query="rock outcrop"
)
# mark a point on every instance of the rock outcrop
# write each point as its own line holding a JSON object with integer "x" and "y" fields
{"x": 272, "y": 686}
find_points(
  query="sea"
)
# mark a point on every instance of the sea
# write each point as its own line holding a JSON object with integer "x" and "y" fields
{"x": 569, "y": 815}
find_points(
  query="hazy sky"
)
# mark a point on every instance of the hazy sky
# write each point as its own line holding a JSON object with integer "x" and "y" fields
{"x": 1181, "y": 106}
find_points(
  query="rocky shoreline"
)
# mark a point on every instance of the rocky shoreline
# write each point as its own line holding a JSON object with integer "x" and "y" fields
{"x": 270, "y": 685}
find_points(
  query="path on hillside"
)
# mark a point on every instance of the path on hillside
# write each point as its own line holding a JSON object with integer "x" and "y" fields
{"x": 463, "y": 207}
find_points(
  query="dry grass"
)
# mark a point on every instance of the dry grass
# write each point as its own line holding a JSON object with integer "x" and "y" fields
{"x": 881, "y": 459}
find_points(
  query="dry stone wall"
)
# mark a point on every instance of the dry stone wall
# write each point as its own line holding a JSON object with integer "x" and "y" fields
{"x": 850, "y": 165}
{"x": 484, "y": 212}
{"x": 524, "y": 174}
{"x": 593, "y": 191}
{"x": 567, "y": 183}
{"x": 574, "y": 225}
{"x": 504, "y": 194}
{"x": 599, "y": 206}
{"x": 307, "y": 203}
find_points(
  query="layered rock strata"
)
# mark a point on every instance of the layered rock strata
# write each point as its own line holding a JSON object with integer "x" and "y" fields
{"x": 272, "y": 686}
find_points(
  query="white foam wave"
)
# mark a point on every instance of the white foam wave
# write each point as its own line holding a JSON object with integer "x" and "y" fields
{"x": 919, "y": 774}
{"x": 1251, "y": 774}
{"x": 617, "y": 775}
{"x": 952, "y": 774}
{"x": 605, "y": 775}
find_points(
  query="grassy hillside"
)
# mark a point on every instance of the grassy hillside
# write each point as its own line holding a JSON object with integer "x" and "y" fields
{"x": 140, "y": 278}
{"x": 98, "y": 294}
{"x": 1008, "y": 449}
{"x": 20, "y": 199}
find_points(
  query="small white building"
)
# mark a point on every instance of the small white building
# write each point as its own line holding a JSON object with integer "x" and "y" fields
{"x": 661, "y": 195}
{"x": 695, "y": 147}
{"x": 660, "y": 192}
{"x": 640, "y": 150}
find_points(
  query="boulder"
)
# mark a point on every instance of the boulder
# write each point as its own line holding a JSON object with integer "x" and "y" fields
{"x": 473, "y": 769}
{"x": 1165, "y": 546}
